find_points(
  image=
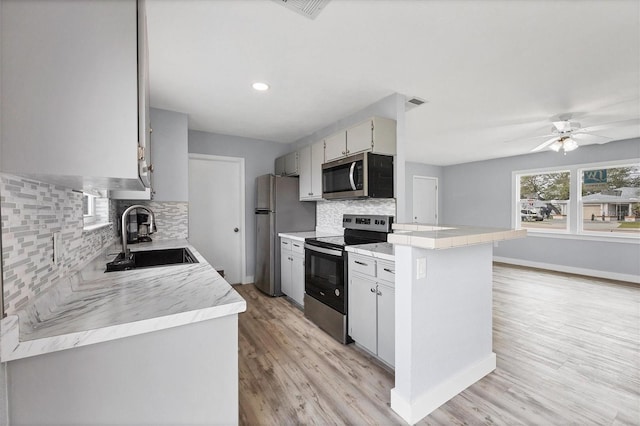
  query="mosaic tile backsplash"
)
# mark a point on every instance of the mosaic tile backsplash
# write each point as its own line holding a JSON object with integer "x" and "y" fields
{"x": 31, "y": 212}
{"x": 329, "y": 213}
{"x": 172, "y": 218}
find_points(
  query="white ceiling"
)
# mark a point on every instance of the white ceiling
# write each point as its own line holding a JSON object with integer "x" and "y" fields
{"x": 491, "y": 71}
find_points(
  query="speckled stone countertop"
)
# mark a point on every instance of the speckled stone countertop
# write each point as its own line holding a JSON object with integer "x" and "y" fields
{"x": 92, "y": 306}
{"x": 449, "y": 236}
{"x": 377, "y": 250}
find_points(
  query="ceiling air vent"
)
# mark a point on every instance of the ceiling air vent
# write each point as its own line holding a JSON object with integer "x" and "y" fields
{"x": 308, "y": 8}
{"x": 413, "y": 102}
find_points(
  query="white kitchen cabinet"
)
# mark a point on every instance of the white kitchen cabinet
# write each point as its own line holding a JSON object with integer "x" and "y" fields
{"x": 292, "y": 269}
{"x": 335, "y": 146}
{"x": 372, "y": 305}
{"x": 287, "y": 165}
{"x": 375, "y": 134}
{"x": 310, "y": 159}
{"x": 285, "y": 266}
{"x": 362, "y": 311}
{"x": 75, "y": 93}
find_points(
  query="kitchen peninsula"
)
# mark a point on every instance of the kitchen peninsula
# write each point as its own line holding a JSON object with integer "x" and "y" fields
{"x": 443, "y": 312}
{"x": 155, "y": 345}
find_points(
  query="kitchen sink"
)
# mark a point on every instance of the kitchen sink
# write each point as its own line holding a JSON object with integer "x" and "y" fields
{"x": 151, "y": 258}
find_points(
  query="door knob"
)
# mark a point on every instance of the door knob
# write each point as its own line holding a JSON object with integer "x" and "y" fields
{"x": 235, "y": 229}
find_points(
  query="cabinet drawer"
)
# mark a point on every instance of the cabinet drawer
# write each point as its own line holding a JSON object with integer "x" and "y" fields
{"x": 297, "y": 246}
{"x": 387, "y": 272}
{"x": 362, "y": 264}
{"x": 285, "y": 244}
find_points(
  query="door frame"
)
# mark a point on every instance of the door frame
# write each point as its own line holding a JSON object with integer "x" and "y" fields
{"x": 242, "y": 213}
{"x": 413, "y": 201}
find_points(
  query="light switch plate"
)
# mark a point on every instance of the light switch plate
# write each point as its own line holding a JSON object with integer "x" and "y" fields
{"x": 421, "y": 267}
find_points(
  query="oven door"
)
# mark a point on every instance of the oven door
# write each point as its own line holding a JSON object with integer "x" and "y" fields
{"x": 324, "y": 276}
{"x": 344, "y": 178}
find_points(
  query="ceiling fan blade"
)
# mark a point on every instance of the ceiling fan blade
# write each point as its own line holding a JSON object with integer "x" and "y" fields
{"x": 545, "y": 144}
{"x": 590, "y": 135}
{"x": 623, "y": 123}
{"x": 528, "y": 138}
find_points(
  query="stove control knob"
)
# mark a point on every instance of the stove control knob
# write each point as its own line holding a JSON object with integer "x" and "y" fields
{"x": 337, "y": 292}
{"x": 382, "y": 222}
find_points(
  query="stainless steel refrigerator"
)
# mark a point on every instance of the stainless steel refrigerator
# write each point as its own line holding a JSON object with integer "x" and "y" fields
{"x": 278, "y": 209}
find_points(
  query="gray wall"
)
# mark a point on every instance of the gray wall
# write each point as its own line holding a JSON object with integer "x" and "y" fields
{"x": 480, "y": 193}
{"x": 169, "y": 155}
{"x": 418, "y": 169}
{"x": 259, "y": 157}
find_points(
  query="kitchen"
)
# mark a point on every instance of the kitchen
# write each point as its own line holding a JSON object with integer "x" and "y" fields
{"x": 460, "y": 200}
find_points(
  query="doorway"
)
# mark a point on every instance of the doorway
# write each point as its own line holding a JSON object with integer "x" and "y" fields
{"x": 425, "y": 200}
{"x": 217, "y": 212}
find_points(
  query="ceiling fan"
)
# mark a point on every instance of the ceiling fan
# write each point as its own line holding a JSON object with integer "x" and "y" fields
{"x": 565, "y": 134}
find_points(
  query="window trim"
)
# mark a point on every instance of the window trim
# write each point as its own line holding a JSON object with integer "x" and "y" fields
{"x": 91, "y": 206}
{"x": 574, "y": 220}
{"x": 516, "y": 222}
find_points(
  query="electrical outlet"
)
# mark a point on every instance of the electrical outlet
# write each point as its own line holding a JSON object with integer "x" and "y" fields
{"x": 57, "y": 247}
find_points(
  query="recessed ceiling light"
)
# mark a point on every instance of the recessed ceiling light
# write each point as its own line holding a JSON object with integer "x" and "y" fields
{"x": 260, "y": 86}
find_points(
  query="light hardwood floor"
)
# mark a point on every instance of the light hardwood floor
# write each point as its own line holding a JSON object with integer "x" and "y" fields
{"x": 567, "y": 353}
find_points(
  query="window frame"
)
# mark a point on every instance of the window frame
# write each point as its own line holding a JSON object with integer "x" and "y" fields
{"x": 580, "y": 205}
{"x": 575, "y": 218}
{"x": 91, "y": 206}
{"x": 516, "y": 221}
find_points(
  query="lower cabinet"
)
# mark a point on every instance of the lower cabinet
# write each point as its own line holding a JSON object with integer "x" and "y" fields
{"x": 372, "y": 305}
{"x": 292, "y": 269}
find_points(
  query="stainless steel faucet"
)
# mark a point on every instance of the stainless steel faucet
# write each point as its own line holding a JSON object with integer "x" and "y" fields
{"x": 152, "y": 225}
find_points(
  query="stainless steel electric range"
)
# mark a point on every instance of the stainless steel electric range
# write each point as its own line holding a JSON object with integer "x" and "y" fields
{"x": 326, "y": 272}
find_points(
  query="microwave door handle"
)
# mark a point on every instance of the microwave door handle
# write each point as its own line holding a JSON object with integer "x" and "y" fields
{"x": 351, "y": 171}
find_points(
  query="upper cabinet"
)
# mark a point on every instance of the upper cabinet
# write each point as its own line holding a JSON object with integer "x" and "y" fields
{"x": 170, "y": 159}
{"x": 375, "y": 134}
{"x": 287, "y": 165}
{"x": 75, "y": 105}
{"x": 311, "y": 158}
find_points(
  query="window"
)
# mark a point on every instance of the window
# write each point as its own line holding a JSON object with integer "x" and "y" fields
{"x": 610, "y": 199}
{"x": 593, "y": 200}
{"x": 88, "y": 205}
{"x": 543, "y": 201}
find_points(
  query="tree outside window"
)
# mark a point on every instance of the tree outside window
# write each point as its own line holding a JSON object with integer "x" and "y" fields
{"x": 544, "y": 200}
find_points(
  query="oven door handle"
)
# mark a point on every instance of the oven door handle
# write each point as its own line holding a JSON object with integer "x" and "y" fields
{"x": 351, "y": 170}
{"x": 328, "y": 251}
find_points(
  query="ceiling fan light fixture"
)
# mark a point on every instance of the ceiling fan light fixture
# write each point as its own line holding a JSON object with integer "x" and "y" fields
{"x": 556, "y": 146}
{"x": 569, "y": 145}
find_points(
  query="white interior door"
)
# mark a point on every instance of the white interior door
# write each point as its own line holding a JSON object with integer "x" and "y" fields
{"x": 425, "y": 200}
{"x": 216, "y": 212}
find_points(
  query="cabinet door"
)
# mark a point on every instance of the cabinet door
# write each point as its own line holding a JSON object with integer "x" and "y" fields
{"x": 386, "y": 324}
{"x": 291, "y": 164}
{"x": 279, "y": 169}
{"x": 144, "y": 112}
{"x": 335, "y": 146}
{"x": 285, "y": 266}
{"x": 297, "y": 279}
{"x": 359, "y": 138}
{"x": 317, "y": 158}
{"x": 305, "y": 163}
{"x": 70, "y": 92}
{"x": 362, "y": 311}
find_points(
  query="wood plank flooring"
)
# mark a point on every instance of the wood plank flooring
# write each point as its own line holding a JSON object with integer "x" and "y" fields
{"x": 568, "y": 352}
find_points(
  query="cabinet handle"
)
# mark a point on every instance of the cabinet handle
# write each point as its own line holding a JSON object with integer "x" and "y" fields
{"x": 343, "y": 153}
{"x": 391, "y": 271}
{"x": 373, "y": 290}
{"x": 360, "y": 263}
{"x": 311, "y": 193}
{"x": 296, "y": 245}
{"x": 379, "y": 293}
{"x": 285, "y": 243}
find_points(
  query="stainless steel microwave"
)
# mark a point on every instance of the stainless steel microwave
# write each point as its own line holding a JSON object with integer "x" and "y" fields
{"x": 364, "y": 175}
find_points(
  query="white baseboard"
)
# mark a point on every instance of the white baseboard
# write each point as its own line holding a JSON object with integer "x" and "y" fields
{"x": 569, "y": 269}
{"x": 421, "y": 406}
{"x": 248, "y": 279}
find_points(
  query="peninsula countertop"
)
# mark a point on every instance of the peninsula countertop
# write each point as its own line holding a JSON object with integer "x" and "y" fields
{"x": 91, "y": 306}
{"x": 449, "y": 236}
